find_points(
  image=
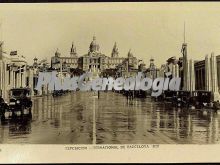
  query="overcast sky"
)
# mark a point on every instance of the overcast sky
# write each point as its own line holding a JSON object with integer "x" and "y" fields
{"x": 148, "y": 29}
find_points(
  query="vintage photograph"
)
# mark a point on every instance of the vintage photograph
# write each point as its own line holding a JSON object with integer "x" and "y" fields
{"x": 116, "y": 73}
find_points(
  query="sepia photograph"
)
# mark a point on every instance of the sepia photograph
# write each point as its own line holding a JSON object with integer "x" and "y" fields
{"x": 107, "y": 74}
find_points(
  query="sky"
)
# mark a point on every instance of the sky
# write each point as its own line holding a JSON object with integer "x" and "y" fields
{"x": 150, "y": 30}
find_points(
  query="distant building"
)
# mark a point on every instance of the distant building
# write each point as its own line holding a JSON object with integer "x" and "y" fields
{"x": 173, "y": 66}
{"x": 152, "y": 71}
{"x": 33, "y": 74}
{"x": 95, "y": 61}
{"x": 207, "y": 75}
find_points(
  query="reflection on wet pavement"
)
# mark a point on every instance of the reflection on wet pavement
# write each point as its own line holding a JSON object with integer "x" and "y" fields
{"x": 80, "y": 118}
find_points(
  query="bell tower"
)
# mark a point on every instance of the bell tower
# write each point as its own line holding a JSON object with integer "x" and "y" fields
{"x": 185, "y": 66}
{"x": 73, "y": 52}
{"x": 57, "y": 53}
{"x": 115, "y": 51}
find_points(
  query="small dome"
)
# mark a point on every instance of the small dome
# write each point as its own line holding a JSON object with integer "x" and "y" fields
{"x": 152, "y": 60}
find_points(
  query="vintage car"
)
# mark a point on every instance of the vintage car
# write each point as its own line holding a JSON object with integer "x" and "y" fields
{"x": 140, "y": 94}
{"x": 20, "y": 99}
{"x": 57, "y": 93}
{"x": 182, "y": 99}
{"x": 201, "y": 98}
{"x": 169, "y": 95}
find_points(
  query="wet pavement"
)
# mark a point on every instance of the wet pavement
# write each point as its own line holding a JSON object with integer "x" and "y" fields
{"x": 81, "y": 118}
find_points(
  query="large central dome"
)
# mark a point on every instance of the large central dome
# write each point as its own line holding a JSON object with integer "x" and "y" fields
{"x": 94, "y": 47}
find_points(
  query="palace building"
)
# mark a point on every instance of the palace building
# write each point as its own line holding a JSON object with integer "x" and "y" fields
{"x": 94, "y": 60}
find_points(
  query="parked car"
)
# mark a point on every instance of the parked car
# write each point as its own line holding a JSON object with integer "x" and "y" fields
{"x": 200, "y": 98}
{"x": 20, "y": 99}
{"x": 182, "y": 99}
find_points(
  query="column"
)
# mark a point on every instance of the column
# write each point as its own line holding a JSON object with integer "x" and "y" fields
{"x": 19, "y": 79}
{"x": 201, "y": 77}
{"x": 207, "y": 74}
{"x": 185, "y": 67}
{"x": 14, "y": 79}
{"x": 24, "y": 77}
{"x": 188, "y": 76}
{"x": 214, "y": 78}
{"x": 177, "y": 70}
{"x": 214, "y": 73}
{"x": 196, "y": 77}
{"x": 11, "y": 79}
{"x": 31, "y": 81}
{"x": 173, "y": 70}
{"x": 192, "y": 75}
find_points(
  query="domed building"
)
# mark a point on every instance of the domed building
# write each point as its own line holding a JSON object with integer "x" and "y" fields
{"x": 94, "y": 60}
{"x": 94, "y": 47}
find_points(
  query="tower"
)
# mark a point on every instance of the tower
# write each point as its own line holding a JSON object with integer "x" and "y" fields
{"x": 35, "y": 60}
{"x": 73, "y": 52}
{"x": 35, "y": 64}
{"x": 207, "y": 74}
{"x": 130, "y": 54}
{"x": 151, "y": 62}
{"x": 214, "y": 78}
{"x": 115, "y": 51}
{"x": 185, "y": 66}
{"x": 57, "y": 53}
{"x": 152, "y": 69}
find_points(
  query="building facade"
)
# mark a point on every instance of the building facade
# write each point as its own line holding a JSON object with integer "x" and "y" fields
{"x": 13, "y": 73}
{"x": 207, "y": 75}
{"x": 95, "y": 61}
